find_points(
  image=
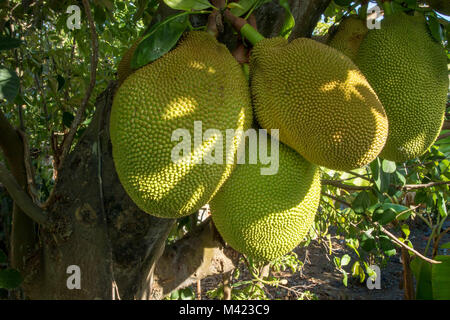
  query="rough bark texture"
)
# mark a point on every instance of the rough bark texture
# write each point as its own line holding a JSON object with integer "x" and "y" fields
{"x": 100, "y": 229}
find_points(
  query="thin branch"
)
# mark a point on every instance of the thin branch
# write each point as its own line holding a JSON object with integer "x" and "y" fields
{"x": 80, "y": 112}
{"x": 22, "y": 199}
{"x": 409, "y": 187}
{"x": 394, "y": 238}
{"x": 337, "y": 199}
{"x": 340, "y": 185}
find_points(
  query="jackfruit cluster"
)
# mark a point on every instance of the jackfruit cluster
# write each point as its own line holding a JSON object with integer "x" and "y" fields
{"x": 408, "y": 70}
{"x": 185, "y": 86}
{"x": 319, "y": 100}
{"x": 272, "y": 214}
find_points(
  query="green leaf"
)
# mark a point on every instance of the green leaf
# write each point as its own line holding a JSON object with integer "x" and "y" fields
{"x": 175, "y": 295}
{"x": 379, "y": 176}
{"x": 435, "y": 29}
{"x": 188, "y": 4}
{"x": 400, "y": 178}
{"x": 345, "y": 279}
{"x": 289, "y": 21}
{"x": 361, "y": 202}
{"x": 405, "y": 229}
{"x": 160, "y": 39}
{"x": 385, "y": 216}
{"x": 10, "y": 279}
{"x": 440, "y": 275}
{"x": 367, "y": 242}
{"x": 389, "y": 166}
{"x": 9, "y": 43}
{"x": 422, "y": 272}
{"x": 387, "y": 246}
{"x": 397, "y": 208}
{"x": 187, "y": 294}
{"x": 442, "y": 206}
{"x": 345, "y": 260}
{"x": 358, "y": 271}
{"x": 337, "y": 262}
{"x": 241, "y": 7}
{"x": 9, "y": 84}
{"x": 445, "y": 245}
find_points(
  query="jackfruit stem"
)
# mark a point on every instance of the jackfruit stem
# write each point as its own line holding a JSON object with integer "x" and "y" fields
{"x": 387, "y": 7}
{"x": 250, "y": 33}
{"x": 242, "y": 26}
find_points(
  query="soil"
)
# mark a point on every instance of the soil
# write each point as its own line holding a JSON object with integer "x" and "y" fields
{"x": 323, "y": 281}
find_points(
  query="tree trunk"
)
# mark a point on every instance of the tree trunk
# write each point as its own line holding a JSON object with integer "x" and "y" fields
{"x": 100, "y": 229}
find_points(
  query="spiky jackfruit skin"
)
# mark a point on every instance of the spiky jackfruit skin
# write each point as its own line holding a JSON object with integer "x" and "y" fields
{"x": 197, "y": 81}
{"x": 408, "y": 70}
{"x": 124, "y": 67}
{"x": 319, "y": 100}
{"x": 348, "y": 36}
{"x": 267, "y": 216}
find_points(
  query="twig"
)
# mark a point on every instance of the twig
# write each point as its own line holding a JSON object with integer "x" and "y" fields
{"x": 22, "y": 199}
{"x": 340, "y": 185}
{"x": 31, "y": 186}
{"x": 424, "y": 186}
{"x": 394, "y": 238}
{"x": 336, "y": 199}
{"x": 80, "y": 112}
{"x": 408, "y": 284}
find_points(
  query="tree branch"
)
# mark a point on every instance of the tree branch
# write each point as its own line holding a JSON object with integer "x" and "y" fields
{"x": 403, "y": 245}
{"x": 198, "y": 255}
{"x": 80, "y": 112}
{"x": 340, "y": 185}
{"x": 424, "y": 186}
{"x": 21, "y": 198}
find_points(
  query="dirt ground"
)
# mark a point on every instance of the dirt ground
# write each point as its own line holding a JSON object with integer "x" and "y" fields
{"x": 320, "y": 277}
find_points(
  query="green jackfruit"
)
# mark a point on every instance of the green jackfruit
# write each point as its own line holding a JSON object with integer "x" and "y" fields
{"x": 267, "y": 216}
{"x": 348, "y": 36}
{"x": 124, "y": 67}
{"x": 319, "y": 100}
{"x": 408, "y": 70}
{"x": 199, "y": 81}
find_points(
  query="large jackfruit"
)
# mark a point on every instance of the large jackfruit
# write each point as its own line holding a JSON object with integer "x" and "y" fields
{"x": 124, "y": 67}
{"x": 348, "y": 36}
{"x": 408, "y": 70}
{"x": 199, "y": 81}
{"x": 319, "y": 100}
{"x": 267, "y": 216}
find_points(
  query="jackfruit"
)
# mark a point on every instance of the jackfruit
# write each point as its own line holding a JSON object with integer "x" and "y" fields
{"x": 408, "y": 70}
{"x": 267, "y": 216}
{"x": 319, "y": 100}
{"x": 124, "y": 67}
{"x": 197, "y": 86}
{"x": 347, "y": 37}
